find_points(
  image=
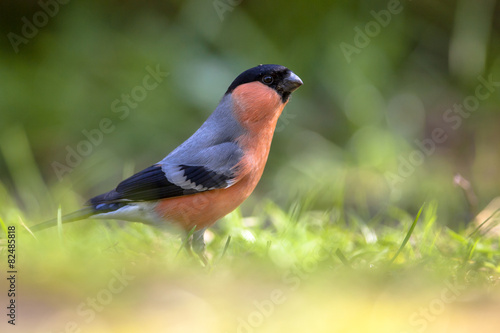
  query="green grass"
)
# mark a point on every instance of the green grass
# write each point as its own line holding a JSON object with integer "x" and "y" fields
{"x": 280, "y": 269}
{"x": 326, "y": 243}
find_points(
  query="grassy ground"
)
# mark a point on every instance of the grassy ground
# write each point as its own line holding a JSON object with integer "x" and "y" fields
{"x": 274, "y": 270}
{"x": 329, "y": 242}
{"x": 278, "y": 271}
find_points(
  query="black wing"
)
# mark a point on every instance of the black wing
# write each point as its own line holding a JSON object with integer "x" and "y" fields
{"x": 152, "y": 184}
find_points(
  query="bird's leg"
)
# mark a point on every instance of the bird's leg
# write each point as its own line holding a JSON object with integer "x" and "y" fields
{"x": 196, "y": 243}
{"x": 199, "y": 245}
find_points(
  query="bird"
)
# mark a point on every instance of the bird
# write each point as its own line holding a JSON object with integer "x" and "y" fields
{"x": 212, "y": 172}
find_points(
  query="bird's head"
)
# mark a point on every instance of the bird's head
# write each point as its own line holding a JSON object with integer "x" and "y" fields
{"x": 262, "y": 92}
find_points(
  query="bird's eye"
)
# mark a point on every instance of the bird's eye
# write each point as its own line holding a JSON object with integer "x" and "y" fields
{"x": 268, "y": 79}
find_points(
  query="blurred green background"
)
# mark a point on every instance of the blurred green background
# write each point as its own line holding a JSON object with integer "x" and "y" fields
{"x": 379, "y": 76}
{"x": 380, "y": 126}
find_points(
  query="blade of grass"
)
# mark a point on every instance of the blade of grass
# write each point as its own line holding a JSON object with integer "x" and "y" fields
{"x": 268, "y": 246}
{"x": 483, "y": 223}
{"x": 184, "y": 242}
{"x": 470, "y": 251}
{"x": 408, "y": 235}
{"x": 225, "y": 247}
{"x": 21, "y": 222}
{"x": 342, "y": 258}
{"x": 4, "y": 227}
{"x": 21, "y": 163}
{"x": 59, "y": 222}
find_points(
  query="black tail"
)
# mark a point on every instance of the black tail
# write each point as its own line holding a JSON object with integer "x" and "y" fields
{"x": 71, "y": 217}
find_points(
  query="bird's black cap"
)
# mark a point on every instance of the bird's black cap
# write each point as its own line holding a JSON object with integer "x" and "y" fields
{"x": 278, "y": 77}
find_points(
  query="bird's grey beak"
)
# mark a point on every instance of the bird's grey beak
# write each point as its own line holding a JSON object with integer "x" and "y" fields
{"x": 291, "y": 82}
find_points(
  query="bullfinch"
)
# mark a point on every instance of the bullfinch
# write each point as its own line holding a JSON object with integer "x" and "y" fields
{"x": 212, "y": 172}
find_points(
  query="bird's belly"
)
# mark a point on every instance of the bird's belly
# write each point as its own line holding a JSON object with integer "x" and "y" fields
{"x": 204, "y": 209}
